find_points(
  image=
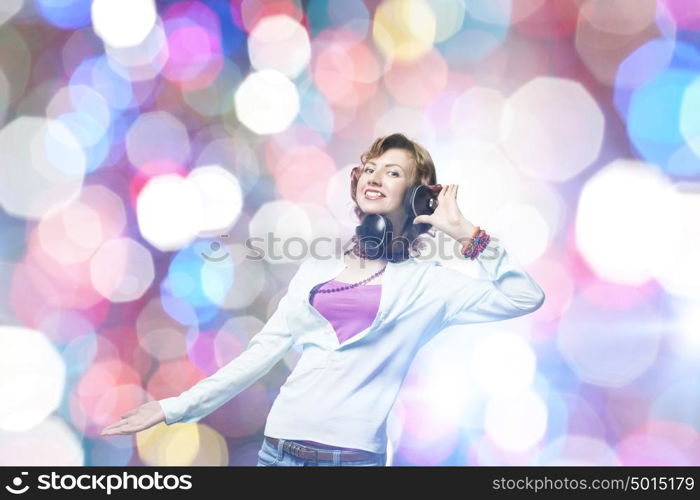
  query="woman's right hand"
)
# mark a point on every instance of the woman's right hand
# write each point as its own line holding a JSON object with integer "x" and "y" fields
{"x": 145, "y": 416}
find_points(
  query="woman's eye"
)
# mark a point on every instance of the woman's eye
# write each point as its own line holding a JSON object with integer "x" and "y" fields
{"x": 392, "y": 172}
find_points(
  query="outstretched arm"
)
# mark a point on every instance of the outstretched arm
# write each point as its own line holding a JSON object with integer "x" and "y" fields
{"x": 264, "y": 350}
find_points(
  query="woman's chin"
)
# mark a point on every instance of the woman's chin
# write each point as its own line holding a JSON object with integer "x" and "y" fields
{"x": 375, "y": 210}
{"x": 371, "y": 209}
{"x": 374, "y": 207}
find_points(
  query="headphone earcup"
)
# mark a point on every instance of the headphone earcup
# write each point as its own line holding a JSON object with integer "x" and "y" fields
{"x": 420, "y": 200}
{"x": 409, "y": 201}
{"x": 374, "y": 234}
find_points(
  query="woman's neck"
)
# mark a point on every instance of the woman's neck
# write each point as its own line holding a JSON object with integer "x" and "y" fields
{"x": 356, "y": 261}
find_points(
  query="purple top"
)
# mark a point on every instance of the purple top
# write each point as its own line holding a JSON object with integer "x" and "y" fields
{"x": 349, "y": 311}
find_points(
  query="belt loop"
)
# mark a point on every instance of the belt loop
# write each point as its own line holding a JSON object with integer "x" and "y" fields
{"x": 336, "y": 457}
{"x": 280, "y": 448}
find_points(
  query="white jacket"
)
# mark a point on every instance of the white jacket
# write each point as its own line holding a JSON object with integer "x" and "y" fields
{"x": 341, "y": 395}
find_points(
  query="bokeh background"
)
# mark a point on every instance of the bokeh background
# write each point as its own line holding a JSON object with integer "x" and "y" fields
{"x": 142, "y": 143}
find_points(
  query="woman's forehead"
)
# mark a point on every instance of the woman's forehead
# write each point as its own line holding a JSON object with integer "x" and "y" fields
{"x": 396, "y": 156}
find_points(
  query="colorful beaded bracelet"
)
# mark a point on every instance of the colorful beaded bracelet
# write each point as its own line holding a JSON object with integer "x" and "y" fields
{"x": 480, "y": 244}
{"x": 470, "y": 241}
{"x": 476, "y": 244}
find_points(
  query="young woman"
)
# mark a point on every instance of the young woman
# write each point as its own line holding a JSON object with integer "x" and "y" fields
{"x": 361, "y": 318}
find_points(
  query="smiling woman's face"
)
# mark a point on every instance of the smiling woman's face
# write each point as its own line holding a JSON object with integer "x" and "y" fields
{"x": 389, "y": 174}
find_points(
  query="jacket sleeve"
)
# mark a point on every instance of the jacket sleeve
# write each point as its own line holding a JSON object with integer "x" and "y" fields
{"x": 506, "y": 292}
{"x": 264, "y": 350}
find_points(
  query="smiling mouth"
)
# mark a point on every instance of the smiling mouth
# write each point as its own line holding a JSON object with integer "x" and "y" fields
{"x": 373, "y": 195}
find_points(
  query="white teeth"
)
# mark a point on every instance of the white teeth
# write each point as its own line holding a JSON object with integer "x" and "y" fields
{"x": 373, "y": 194}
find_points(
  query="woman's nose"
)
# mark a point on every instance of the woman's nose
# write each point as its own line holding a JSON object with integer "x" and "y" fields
{"x": 374, "y": 177}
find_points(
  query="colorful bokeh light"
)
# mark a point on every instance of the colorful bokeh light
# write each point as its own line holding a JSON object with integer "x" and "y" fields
{"x": 165, "y": 167}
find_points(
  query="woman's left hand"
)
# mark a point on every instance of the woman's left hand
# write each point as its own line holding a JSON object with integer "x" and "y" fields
{"x": 145, "y": 416}
{"x": 447, "y": 216}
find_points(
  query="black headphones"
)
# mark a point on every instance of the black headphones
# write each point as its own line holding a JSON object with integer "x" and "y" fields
{"x": 375, "y": 233}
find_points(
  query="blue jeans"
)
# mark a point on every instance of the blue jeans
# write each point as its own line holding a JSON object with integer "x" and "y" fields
{"x": 269, "y": 456}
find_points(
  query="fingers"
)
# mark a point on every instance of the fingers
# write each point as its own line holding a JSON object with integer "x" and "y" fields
{"x": 134, "y": 420}
{"x": 118, "y": 431}
{"x": 130, "y": 413}
{"x": 110, "y": 429}
{"x": 449, "y": 191}
{"x": 113, "y": 425}
{"x": 121, "y": 427}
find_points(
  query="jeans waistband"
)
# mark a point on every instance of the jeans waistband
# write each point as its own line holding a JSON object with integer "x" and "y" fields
{"x": 310, "y": 453}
